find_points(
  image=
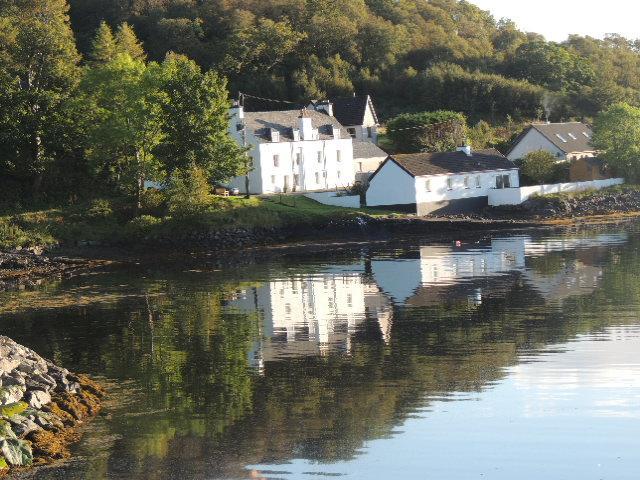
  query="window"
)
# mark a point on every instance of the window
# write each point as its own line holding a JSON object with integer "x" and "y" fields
{"x": 586, "y": 134}
{"x": 564, "y": 140}
{"x": 296, "y": 179}
{"x": 338, "y": 173}
{"x": 324, "y": 174}
{"x": 273, "y": 179}
{"x": 478, "y": 181}
{"x": 352, "y": 132}
{"x": 427, "y": 185}
{"x": 572, "y": 136}
{"x": 298, "y": 158}
{"x": 360, "y": 166}
{"x": 503, "y": 181}
{"x": 317, "y": 177}
{"x": 450, "y": 183}
{"x": 339, "y": 156}
{"x": 466, "y": 182}
{"x": 369, "y": 132}
{"x": 276, "y": 160}
{"x": 275, "y": 136}
{"x": 319, "y": 157}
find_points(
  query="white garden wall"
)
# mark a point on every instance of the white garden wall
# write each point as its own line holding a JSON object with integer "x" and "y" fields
{"x": 515, "y": 196}
{"x": 330, "y": 198}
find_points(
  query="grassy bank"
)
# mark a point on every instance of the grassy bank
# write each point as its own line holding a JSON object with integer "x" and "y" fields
{"x": 112, "y": 222}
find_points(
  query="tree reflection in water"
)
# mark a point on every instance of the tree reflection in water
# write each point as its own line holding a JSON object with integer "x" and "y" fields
{"x": 211, "y": 372}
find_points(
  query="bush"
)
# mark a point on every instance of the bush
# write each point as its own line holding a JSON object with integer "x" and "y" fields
{"x": 154, "y": 202}
{"x": 427, "y": 131}
{"x": 539, "y": 167}
{"x": 100, "y": 209}
{"x": 189, "y": 192}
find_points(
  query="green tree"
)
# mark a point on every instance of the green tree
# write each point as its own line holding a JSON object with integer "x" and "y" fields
{"x": 427, "y": 131}
{"x": 103, "y": 47}
{"x": 616, "y": 134}
{"x": 189, "y": 191}
{"x": 539, "y": 167}
{"x": 38, "y": 74}
{"x": 195, "y": 121}
{"x": 128, "y": 43}
{"x": 123, "y": 97}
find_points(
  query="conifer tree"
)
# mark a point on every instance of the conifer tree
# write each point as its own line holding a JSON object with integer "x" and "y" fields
{"x": 128, "y": 43}
{"x": 104, "y": 46}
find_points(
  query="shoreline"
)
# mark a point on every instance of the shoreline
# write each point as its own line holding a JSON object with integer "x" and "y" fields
{"x": 65, "y": 262}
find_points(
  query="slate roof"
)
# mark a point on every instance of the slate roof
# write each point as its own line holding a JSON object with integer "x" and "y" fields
{"x": 261, "y": 123}
{"x": 445, "y": 163}
{"x": 367, "y": 150}
{"x": 568, "y": 137}
{"x": 350, "y": 110}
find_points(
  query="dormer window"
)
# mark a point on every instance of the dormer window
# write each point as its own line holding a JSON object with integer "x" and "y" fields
{"x": 296, "y": 135}
{"x": 352, "y": 132}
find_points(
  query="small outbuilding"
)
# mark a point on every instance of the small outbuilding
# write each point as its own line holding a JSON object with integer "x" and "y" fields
{"x": 442, "y": 182}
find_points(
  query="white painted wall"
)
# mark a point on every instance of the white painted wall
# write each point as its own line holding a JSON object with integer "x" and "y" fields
{"x": 438, "y": 190}
{"x": 515, "y": 196}
{"x": 316, "y": 156}
{"x": 532, "y": 142}
{"x": 391, "y": 186}
{"x": 394, "y": 186}
{"x": 330, "y": 198}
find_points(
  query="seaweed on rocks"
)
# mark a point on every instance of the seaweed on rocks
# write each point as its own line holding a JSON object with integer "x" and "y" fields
{"x": 41, "y": 404}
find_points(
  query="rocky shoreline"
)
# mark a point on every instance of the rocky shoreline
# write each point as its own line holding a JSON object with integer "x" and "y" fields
{"x": 41, "y": 406}
{"x": 21, "y": 270}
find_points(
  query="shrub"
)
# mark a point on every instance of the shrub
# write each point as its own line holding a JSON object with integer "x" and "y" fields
{"x": 99, "y": 209}
{"x": 189, "y": 192}
{"x": 154, "y": 202}
{"x": 539, "y": 167}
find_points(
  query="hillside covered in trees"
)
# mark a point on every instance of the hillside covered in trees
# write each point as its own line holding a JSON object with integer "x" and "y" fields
{"x": 412, "y": 55}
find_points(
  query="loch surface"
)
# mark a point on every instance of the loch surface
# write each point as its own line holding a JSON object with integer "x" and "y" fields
{"x": 501, "y": 357}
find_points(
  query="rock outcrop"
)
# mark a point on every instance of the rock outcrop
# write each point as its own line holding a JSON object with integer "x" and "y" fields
{"x": 40, "y": 404}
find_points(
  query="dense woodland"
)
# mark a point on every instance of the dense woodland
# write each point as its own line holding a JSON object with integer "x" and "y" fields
{"x": 412, "y": 55}
{"x": 103, "y": 94}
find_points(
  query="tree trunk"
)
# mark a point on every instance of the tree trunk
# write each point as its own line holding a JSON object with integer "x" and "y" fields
{"x": 140, "y": 183}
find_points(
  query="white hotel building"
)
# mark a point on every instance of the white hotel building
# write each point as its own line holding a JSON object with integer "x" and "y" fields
{"x": 293, "y": 151}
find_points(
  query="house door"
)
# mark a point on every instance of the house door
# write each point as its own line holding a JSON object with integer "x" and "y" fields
{"x": 286, "y": 183}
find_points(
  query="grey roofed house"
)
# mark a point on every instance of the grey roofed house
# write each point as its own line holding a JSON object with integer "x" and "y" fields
{"x": 363, "y": 149}
{"x": 261, "y": 124}
{"x": 444, "y": 163}
{"x": 351, "y": 110}
{"x": 562, "y": 139}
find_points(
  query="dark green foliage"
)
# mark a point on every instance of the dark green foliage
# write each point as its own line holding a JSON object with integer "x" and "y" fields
{"x": 427, "y": 131}
{"x": 539, "y": 167}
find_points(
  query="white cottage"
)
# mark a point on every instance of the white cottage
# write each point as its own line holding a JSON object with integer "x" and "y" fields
{"x": 443, "y": 182}
{"x": 293, "y": 151}
{"x": 566, "y": 141}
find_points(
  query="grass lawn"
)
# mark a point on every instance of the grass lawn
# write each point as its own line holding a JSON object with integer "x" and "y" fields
{"x": 86, "y": 222}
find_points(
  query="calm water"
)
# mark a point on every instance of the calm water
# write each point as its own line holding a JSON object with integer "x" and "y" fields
{"x": 500, "y": 358}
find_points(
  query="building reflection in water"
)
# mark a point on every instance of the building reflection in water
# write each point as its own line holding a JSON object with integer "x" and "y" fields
{"x": 311, "y": 314}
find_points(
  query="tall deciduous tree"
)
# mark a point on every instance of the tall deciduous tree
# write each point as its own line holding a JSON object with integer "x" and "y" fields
{"x": 616, "y": 134}
{"x": 124, "y": 99}
{"x": 38, "y": 64}
{"x": 195, "y": 121}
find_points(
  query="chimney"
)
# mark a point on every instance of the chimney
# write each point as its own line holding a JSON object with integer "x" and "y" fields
{"x": 325, "y": 106}
{"x": 275, "y": 135}
{"x": 306, "y": 127}
{"x": 335, "y": 131}
{"x": 466, "y": 149}
{"x": 237, "y": 111}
